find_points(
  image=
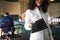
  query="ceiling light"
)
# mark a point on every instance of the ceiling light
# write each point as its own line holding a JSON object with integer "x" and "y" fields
{"x": 51, "y": 0}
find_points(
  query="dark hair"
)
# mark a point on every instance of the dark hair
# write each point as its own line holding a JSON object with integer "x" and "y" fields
{"x": 44, "y": 6}
{"x": 20, "y": 17}
{"x": 6, "y": 13}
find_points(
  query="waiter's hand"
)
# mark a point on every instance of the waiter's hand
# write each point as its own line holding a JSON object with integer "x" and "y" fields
{"x": 30, "y": 25}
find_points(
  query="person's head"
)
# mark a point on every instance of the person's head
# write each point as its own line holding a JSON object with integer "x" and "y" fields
{"x": 6, "y": 14}
{"x": 43, "y": 4}
{"x": 20, "y": 17}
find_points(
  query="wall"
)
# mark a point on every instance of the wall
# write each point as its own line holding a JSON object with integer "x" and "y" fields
{"x": 12, "y": 7}
{"x": 54, "y": 9}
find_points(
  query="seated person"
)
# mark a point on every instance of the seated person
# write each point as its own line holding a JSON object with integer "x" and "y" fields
{"x": 7, "y": 24}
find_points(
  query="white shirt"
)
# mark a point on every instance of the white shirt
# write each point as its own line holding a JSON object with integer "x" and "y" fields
{"x": 32, "y": 16}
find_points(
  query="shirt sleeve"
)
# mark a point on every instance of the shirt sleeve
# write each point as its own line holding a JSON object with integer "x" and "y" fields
{"x": 27, "y": 20}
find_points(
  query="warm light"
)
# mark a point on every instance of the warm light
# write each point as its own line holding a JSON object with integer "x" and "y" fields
{"x": 51, "y": 0}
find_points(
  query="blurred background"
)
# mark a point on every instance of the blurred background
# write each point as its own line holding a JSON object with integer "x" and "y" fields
{"x": 17, "y": 8}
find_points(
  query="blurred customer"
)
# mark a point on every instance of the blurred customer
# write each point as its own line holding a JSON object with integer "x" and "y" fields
{"x": 7, "y": 24}
{"x": 20, "y": 19}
